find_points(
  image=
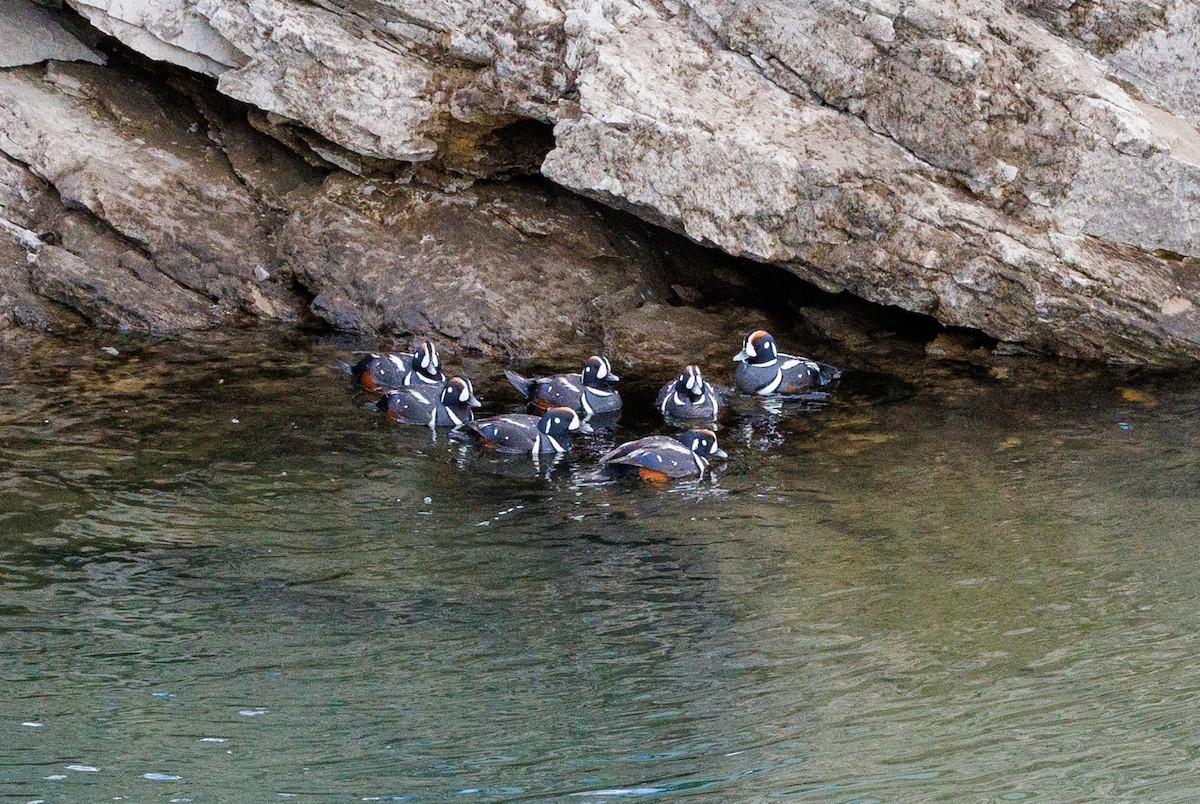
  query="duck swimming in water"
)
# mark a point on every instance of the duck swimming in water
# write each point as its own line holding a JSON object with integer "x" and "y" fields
{"x": 383, "y": 372}
{"x": 764, "y": 370}
{"x": 520, "y": 432}
{"x": 447, "y": 405}
{"x": 587, "y": 392}
{"x": 663, "y": 457}
{"x": 688, "y": 397}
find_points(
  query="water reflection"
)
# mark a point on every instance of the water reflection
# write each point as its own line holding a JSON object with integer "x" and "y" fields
{"x": 963, "y": 587}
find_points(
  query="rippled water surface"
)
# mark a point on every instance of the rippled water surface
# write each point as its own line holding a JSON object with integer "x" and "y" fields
{"x": 222, "y": 579}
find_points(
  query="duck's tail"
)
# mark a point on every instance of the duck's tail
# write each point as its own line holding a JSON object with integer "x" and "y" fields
{"x": 827, "y": 374}
{"x": 523, "y": 384}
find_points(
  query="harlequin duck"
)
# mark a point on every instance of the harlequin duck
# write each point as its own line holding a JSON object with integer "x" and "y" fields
{"x": 383, "y": 372}
{"x": 688, "y": 397}
{"x": 662, "y": 457}
{"x": 448, "y": 405}
{"x": 764, "y": 370}
{"x": 587, "y": 392}
{"x": 551, "y": 432}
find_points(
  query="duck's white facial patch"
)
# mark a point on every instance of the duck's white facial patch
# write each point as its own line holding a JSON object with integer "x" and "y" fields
{"x": 465, "y": 394}
{"x": 749, "y": 349}
{"x": 574, "y": 425}
{"x": 691, "y": 381}
{"x": 602, "y": 372}
{"x": 713, "y": 449}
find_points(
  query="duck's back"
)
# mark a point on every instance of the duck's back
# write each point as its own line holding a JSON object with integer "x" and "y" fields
{"x": 655, "y": 454}
{"x": 513, "y": 433}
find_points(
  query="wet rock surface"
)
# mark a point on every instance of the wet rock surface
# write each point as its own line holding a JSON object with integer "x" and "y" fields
{"x": 1030, "y": 170}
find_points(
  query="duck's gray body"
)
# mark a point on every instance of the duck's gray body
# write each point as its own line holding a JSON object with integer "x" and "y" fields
{"x": 785, "y": 374}
{"x": 383, "y": 371}
{"x": 548, "y": 433}
{"x": 567, "y": 391}
{"x": 430, "y": 405}
{"x": 516, "y": 433}
{"x": 680, "y": 404}
{"x": 763, "y": 369}
{"x": 390, "y": 370}
{"x": 656, "y": 456}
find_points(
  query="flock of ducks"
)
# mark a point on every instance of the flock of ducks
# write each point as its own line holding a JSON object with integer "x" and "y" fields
{"x": 415, "y": 390}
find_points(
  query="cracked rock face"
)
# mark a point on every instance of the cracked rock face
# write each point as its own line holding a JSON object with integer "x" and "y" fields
{"x": 159, "y": 211}
{"x": 1030, "y": 169}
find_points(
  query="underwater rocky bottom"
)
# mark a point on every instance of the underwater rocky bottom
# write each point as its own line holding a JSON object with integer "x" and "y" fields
{"x": 219, "y": 572}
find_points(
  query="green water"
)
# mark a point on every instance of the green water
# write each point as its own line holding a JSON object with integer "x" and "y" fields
{"x": 965, "y": 587}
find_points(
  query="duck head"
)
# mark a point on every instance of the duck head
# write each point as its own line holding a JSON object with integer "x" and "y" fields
{"x": 558, "y": 422}
{"x": 691, "y": 383}
{"x": 458, "y": 392}
{"x": 757, "y": 348}
{"x": 703, "y": 443}
{"x": 427, "y": 364}
{"x": 597, "y": 371}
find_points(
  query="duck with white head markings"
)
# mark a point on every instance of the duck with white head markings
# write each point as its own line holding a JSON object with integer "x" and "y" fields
{"x": 523, "y": 433}
{"x": 387, "y": 371}
{"x": 663, "y": 457}
{"x": 689, "y": 397}
{"x": 446, "y": 406}
{"x": 763, "y": 370}
{"x": 588, "y": 392}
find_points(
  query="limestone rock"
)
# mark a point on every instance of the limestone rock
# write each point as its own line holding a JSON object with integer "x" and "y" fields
{"x": 165, "y": 30}
{"x": 1159, "y": 60}
{"x": 1023, "y": 194}
{"x": 111, "y": 147}
{"x": 31, "y": 33}
{"x": 501, "y": 267}
{"x": 1030, "y": 168}
{"x": 658, "y": 340}
{"x": 160, "y": 211}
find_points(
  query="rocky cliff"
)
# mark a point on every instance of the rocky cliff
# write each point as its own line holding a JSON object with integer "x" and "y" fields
{"x": 1029, "y": 169}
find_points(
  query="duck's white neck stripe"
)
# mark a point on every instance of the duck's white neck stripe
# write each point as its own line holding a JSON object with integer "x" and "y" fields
{"x": 770, "y": 387}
